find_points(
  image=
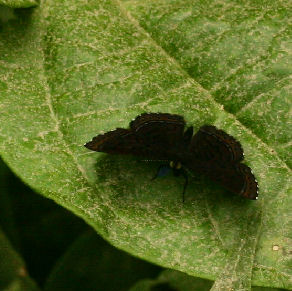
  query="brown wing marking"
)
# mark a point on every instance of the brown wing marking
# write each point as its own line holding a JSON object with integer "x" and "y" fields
{"x": 146, "y": 118}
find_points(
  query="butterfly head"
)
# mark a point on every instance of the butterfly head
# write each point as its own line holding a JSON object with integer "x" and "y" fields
{"x": 175, "y": 165}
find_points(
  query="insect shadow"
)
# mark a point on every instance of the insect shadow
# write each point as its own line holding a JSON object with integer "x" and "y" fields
{"x": 126, "y": 184}
{"x": 132, "y": 179}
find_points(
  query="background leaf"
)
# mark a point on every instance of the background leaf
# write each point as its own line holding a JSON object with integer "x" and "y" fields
{"x": 13, "y": 273}
{"x": 19, "y": 3}
{"x": 100, "y": 267}
{"x": 71, "y": 70}
{"x": 37, "y": 228}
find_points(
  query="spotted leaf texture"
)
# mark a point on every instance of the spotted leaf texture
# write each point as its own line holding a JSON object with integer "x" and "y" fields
{"x": 70, "y": 70}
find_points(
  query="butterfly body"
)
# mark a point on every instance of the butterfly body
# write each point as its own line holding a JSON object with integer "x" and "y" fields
{"x": 162, "y": 136}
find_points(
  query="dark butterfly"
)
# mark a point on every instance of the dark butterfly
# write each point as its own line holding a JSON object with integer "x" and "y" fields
{"x": 162, "y": 136}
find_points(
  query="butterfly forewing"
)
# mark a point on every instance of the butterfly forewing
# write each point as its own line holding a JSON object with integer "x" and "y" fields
{"x": 151, "y": 135}
{"x": 118, "y": 141}
{"x": 161, "y": 134}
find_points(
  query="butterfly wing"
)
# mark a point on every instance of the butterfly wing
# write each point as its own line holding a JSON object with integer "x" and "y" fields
{"x": 160, "y": 133}
{"x": 217, "y": 155}
{"x": 118, "y": 141}
{"x": 151, "y": 135}
{"x": 212, "y": 143}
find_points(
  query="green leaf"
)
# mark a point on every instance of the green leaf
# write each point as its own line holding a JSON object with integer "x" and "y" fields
{"x": 181, "y": 281}
{"x": 31, "y": 221}
{"x": 239, "y": 270}
{"x": 7, "y": 222}
{"x": 178, "y": 281}
{"x": 19, "y": 3}
{"x": 13, "y": 274}
{"x": 99, "y": 267}
{"x": 239, "y": 51}
{"x": 71, "y": 70}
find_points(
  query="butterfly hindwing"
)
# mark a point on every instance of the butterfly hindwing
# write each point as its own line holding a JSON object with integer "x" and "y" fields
{"x": 217, "y": 155}
{"x": 236, "y": 177}
{"x": 212, "y": 143}
{"x": 250, "y": 189}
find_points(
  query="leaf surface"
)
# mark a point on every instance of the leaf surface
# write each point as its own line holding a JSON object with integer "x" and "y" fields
{"x": 239, "y": 51}
{"x": 71, "y": 70}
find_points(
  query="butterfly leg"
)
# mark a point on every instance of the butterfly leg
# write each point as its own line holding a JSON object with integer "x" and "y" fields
{"x": 185, "y": 175}
{"x": 178, "y": 172}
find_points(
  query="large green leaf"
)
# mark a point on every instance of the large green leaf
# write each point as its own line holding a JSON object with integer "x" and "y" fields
{"x": 70, "y": 70}
{"x": 176, "y": 281}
